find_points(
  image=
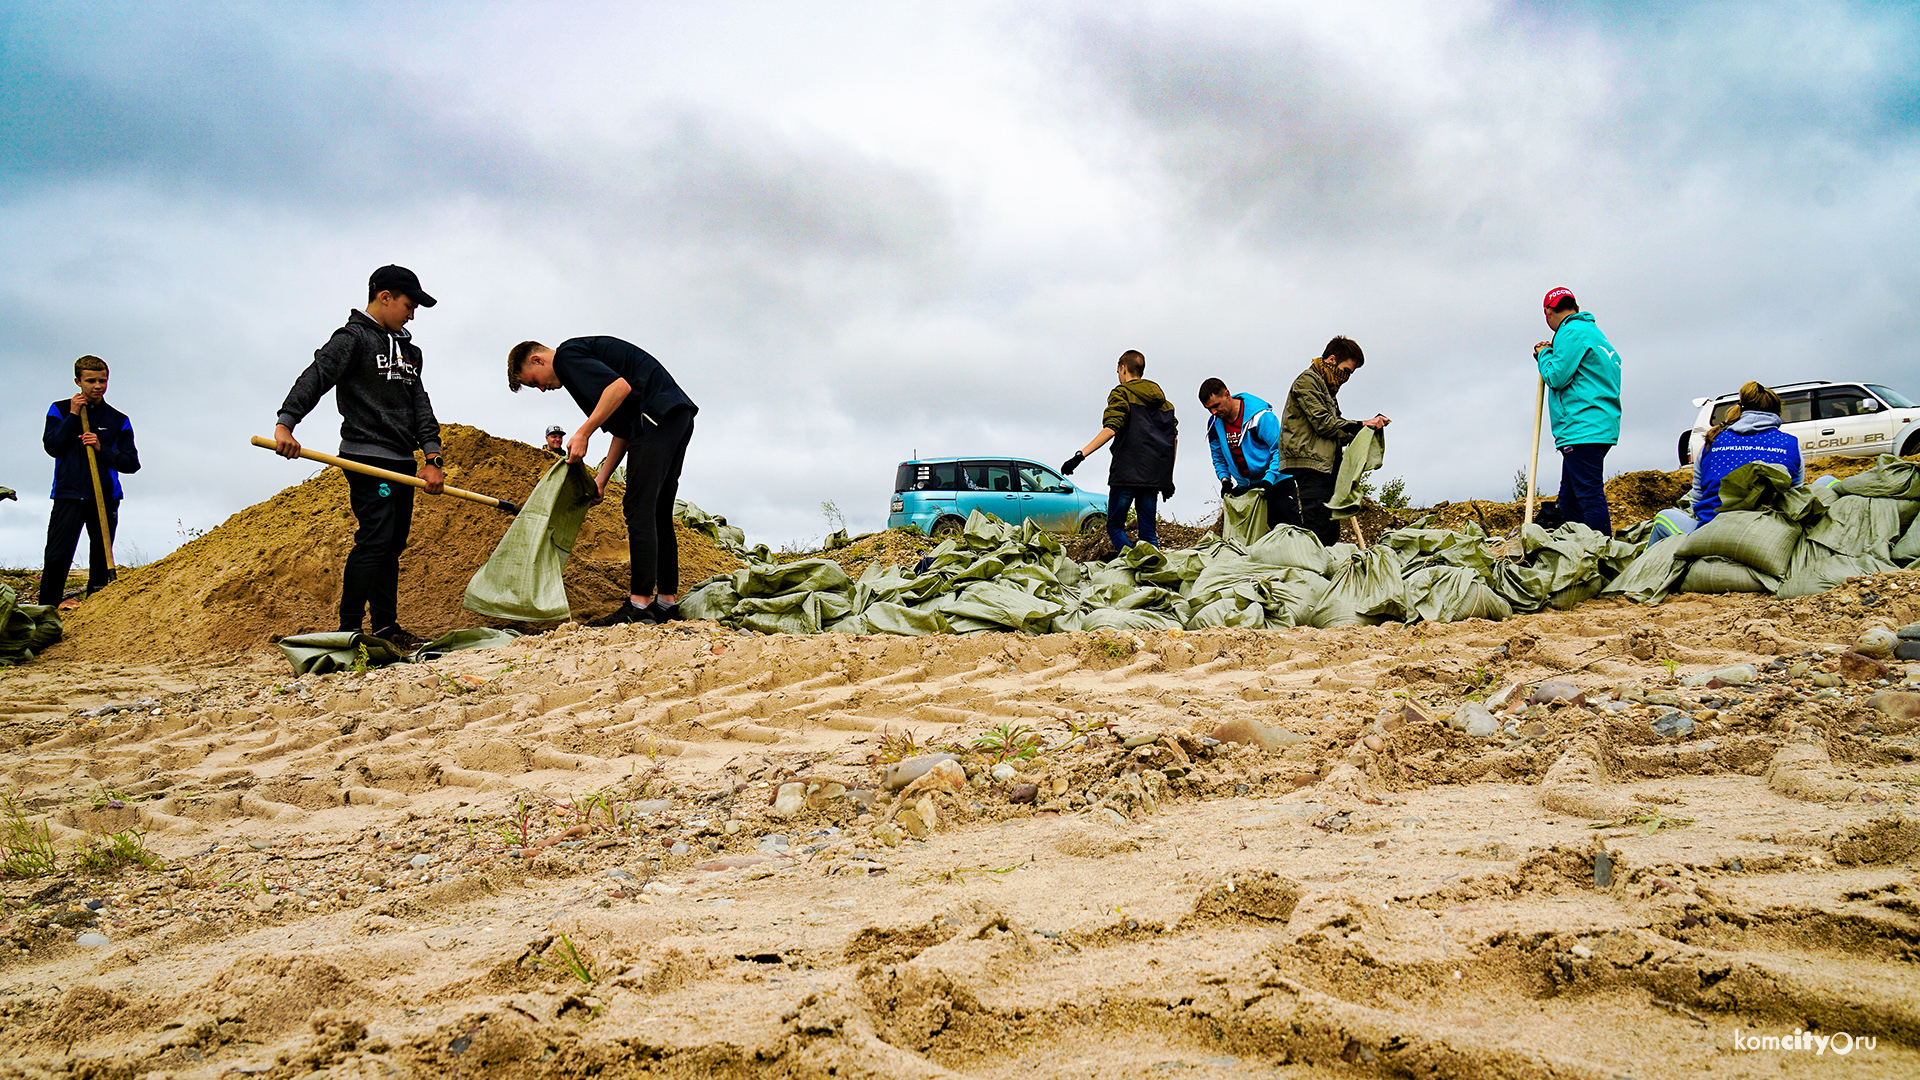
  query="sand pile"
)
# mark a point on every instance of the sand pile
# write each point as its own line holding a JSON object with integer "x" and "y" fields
{"x": 273, "y": 569}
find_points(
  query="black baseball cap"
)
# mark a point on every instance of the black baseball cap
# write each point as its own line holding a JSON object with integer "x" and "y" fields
{"x": 398, "y": 279}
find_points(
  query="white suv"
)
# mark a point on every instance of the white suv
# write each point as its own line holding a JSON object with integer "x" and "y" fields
{"x": 1830, "y": 419}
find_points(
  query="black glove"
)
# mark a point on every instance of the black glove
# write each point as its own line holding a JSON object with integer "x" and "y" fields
{"x": 1167, "y": 492}
{"x": 1226, "y": 487}
{"x": 1263, "y": 484}
{"x": 1072, "y": 463}
{"x": 1241, "y": 490}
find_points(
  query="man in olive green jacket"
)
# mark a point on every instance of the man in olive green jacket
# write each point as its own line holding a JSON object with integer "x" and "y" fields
{"x": 1312, "y": 432}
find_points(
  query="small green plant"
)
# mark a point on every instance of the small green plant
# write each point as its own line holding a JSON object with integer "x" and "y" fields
{"x": 834, "y": 517}
{"x": 519, "y": 828}
{"x": 567, "y": 957}
{"x": 1672, "y": 666}
{"x": 114, "y": 851}
{"x": 1393, "y": 494}
{"x": 1520, "y": 484}
{"x": 26, "y": 847}
{"x": 1114, "y": 649}
{"x": 1009, "y": 740}
{"x": 107, "y": 799}
{"x": 896, "y": 746}
{"x": 362, "y": 663}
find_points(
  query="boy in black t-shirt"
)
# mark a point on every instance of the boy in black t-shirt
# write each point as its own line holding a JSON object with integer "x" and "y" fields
{"x": 385, "y": 415}
{"x": 73, "y": 505}
{"x": 628, "y": 394}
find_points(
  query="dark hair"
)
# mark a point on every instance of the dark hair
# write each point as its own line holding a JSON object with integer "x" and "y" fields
{"x": 88, "y": 362}
{"x": 1343, "y": 347}
{"x": 1134, "y": 361}
{"x": 517, "y": 361}
{"x": 1567, "y": 303}
{"x": 1211, "y": 389}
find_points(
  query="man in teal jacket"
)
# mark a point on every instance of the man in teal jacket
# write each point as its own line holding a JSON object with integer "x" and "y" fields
{"x": 1583, "y": 371}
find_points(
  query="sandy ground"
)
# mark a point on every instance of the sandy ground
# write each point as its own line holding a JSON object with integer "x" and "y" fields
{"x": 667, "y": 851}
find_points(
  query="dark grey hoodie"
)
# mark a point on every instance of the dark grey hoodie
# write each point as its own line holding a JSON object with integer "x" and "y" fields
{"x": 384, "y": 410}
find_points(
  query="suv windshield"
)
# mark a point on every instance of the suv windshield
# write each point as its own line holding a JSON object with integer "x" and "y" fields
{"x": 1893, "y": 399}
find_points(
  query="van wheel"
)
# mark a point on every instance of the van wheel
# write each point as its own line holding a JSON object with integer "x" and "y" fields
{"x": 1686, "y": 448}
{"x": 948, "y": 526}
{"x": 1094, "y": 525}
{"x": 1912, "y": 445}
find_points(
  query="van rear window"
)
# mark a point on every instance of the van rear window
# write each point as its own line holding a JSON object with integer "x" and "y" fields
{"x": 927, "y": 476}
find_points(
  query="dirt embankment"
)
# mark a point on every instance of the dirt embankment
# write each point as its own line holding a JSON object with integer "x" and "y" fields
{"x": 273, "y": 569}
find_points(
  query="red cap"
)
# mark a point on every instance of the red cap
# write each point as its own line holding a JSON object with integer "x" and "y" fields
{"x": 1553, "y": 298}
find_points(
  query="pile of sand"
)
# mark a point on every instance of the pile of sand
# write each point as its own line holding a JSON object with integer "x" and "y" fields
{"x": 273, "y": 569}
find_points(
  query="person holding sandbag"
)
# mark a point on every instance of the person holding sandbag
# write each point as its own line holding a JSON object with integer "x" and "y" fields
{"x": 91, "y": 443}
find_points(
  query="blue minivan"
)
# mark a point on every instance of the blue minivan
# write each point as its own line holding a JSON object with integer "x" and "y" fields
{"x": 935, "y": 495}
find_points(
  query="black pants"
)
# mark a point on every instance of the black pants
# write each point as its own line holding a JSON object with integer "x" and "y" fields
{"x": 63, "y": 535}
{"x": 1583, "y": 489}
{"x": 655, "y": 454}
{"x": 1283, "y": 503}
{"x": 1316, "y": 491}
{"x": 370, "y": 584}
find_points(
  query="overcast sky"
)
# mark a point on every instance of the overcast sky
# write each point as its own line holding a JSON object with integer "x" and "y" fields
{"x": 855, "y": 232}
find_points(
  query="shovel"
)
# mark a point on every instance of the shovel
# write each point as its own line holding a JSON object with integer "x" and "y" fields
{"x": 99, "y": 499}
{"x": 398, "y": 478}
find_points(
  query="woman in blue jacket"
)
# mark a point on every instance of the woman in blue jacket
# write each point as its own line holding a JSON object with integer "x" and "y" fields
{"x": 1751, "y": 432}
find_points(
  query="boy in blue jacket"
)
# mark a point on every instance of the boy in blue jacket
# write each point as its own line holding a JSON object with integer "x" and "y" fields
{"x": 73, "y": 503}
{"x": 1244, "y": 435}
{"x": 1583, "y": 371}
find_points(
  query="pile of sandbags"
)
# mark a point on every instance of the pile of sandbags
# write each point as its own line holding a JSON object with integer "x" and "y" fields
{"x": 1774, "y": 536}
{"x": 999, "y": 577}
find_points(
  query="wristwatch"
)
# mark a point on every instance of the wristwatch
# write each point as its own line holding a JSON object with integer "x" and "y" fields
{"x": 434, "y": 460}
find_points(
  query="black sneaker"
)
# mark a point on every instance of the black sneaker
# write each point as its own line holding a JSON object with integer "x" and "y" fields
{"x": 663, "y": 613}
{"x": 401, "y": 640}
{"x": 625, "y": 613}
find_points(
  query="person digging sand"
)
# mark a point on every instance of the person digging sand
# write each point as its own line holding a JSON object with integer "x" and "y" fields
{"x": 66, "y": 441}
{"x": 385, "y": 415}
{"x": 628, "y": 394}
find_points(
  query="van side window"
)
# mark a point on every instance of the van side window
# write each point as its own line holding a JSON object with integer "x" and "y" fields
{"x": 1796, "y": 407}
{"x": 1721, "y": 410}
{"x": 987, "y": 476}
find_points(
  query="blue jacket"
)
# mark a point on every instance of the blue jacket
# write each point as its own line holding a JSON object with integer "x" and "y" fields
{"x": 1259, "y": 441}
{"x": 1584, "y": 372}
{"x": 116, "y": 454}
{"x": 1756, "y": 436}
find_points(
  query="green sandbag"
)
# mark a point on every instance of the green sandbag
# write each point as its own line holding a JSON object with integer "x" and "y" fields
{"x": 885, "y": 617}
{"x": 1653, "y": 575}
{"x": 1757, "y": 486}
{"x": 712, "y": 526}
{"x": 1859, "y": 526}
{"x": 1715, "y": 574}
{"x": 341, "y": 650}
{"x": 990, "y": 605}
{"x": 713, "y": 599}
{"x": 1244, "y": 517}
{"x": 1360, "y": 457}
{"x": 1890, "y": 478}
{"x": 779, "y": 579}
{"x": 523, "y": 580}
{"x": 1367, "y": 589}
{"x": 793, "y": 613}
{"x": 1908, "y": 549}
{"x": 1452, "y": 593}
{"x": 1288, "y": 545}
{"x": 1128, "y": 619}
{"x": 1232, "y": 609}
{"x": 1761, "y": 540}
{"x": 25, "y": 629}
